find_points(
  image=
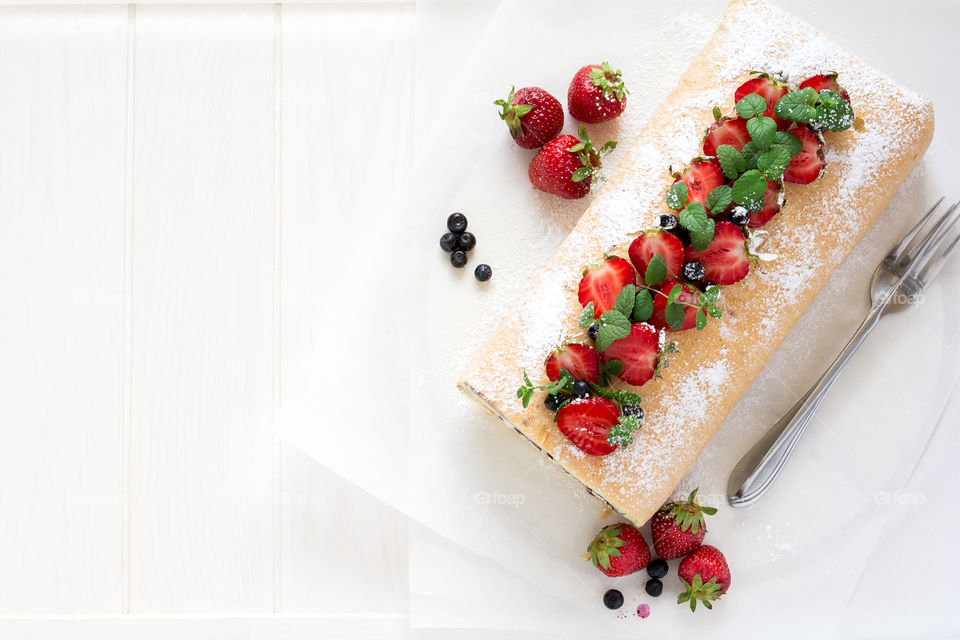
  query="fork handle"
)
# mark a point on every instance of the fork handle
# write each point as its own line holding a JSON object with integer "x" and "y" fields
{"x": 760, "y": 477}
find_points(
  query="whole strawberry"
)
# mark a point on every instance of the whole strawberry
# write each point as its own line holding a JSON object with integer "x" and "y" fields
{"x": 566, "y": 166}
{"x": 532, "y": 115}
{"x": 678, "y": 527}
{"x": 596, "y": 94}
{"x": 619, "y": 549}
{"x": 705, "y": 577}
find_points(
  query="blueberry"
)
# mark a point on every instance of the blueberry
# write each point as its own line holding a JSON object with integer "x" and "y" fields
{"x": 457, "y": 223}
{"x": 658, "y": 568}
{"x": 581, "y": 389}
{"x": 654, "y": 587}
{"x": 633, "y": 410}
{"x": 483, "y": 272}
{"x": 682, "y": 233}
{"x": 693, "y": 271}
{"x": 448, "y": 242}
{"x": 739, "y": 215}
{"x": 551, "y": 402}
{"x": 458, "y": 259}
{"x": 467, "y": 241}
{"x": 593, "y": 331}
{"x": 668, "y": 221}
{"x": 613, "y": 599}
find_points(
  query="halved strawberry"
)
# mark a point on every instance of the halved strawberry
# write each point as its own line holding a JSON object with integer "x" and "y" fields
{"x": 638, "y": 352}
{"x": 602, "y": 283}
{"x": 701, "y": 177}
{"x": 806, "y": 167}
{"x": 727, "y": 130}
{"x": 771, "y": 206}
{"x": 825, "y": 82}
{"x": 770, "y": 90}
{"x": 587, "y": 422}
{"x": 654, "y": 241}
{"x": 725, "y": 259}
{"x": 660, "y": 304}
{"x": 580, "y": 360}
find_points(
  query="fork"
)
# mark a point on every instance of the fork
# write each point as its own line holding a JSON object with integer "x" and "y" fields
{"x": 898, "y": 281}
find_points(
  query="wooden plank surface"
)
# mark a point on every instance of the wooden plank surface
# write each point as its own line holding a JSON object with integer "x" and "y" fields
{"x": 201, "y": 448}
{"x": 346, "y": 122}
{"x": 62, "y": 115}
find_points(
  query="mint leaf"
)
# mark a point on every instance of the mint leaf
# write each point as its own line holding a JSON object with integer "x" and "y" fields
{"x": 719, "y": 199}
{"x": 613, "y": 367}
{"x": 675, "y": 291}
{"x": 797, "y": 105}
{"x": 586, "y": 317}
{"x": 625, "y": 300}
{"x": 731, "y": 161}
{"x": 762, "y": 131}
{"x": 710, "y": 295}
{"x": 748, "y": 190}
{"x": 700, "y": 239}
{"x": 620, "y": 434}
{"x": 694, "y": 217}
{"x": 656, "y": 270}
{"x": 751, "y": 105}
{"x": 715, "y": 313}
{"x": 613, "y": 326}
{"x": 677, "y": 195}
{"x": 750, "y": 153}
{"x": 643, "y": 306}
{"x": 789, "y": 142}
{"x": 701, "y": 319}
{"x": 833, "y": 112}
{"x": 674, "y": 315}
{"x": 773, "y": 161}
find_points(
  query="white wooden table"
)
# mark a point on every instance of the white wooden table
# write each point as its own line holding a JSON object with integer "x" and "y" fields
{"x": 164, "y": 174}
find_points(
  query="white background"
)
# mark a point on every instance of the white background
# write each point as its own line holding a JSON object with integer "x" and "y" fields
{"x": 166, "y": 174}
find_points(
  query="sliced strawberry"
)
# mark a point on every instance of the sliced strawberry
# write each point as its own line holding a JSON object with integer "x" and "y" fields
{"x": 770, "y": 90}
{"x": 660, "y": 304}
{"x": 728, "y": 130}
{"x": 601, "y": 284}
{"x": 806, "y": 167}
{"x": 654, "y": 241}
{"x": 725, "y": 259}
{"x": 771, "y": 206}
{"x": 701, "y": 177}
{"x": 638, "y": 352}
{"x": 580, "y": 360}
{"x": 825, "y": 82}
{"x": 587, "y": 422}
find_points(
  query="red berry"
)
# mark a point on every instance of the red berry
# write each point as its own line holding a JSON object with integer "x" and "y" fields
{"x": 650, "y": 243}
{"x": 725, "y": 259}
{"x": 731, "y": 131}
{"x": 619, "y": 550}
{"x": 532, "y": 115}
{"x": 678, "y": 528}
{"x": 771, "y": 206}
{"x": 705, "y": 576}
{"x": 566, "y": 166}
{"x": 586, "y": 423}
{"x": 701, "y": 177}
{"x": 770, "y": 90}
{"x": 660, "y": 304}
{"x": 596, "y": 94}
{"x": 580, "y": 360}
{"x": 825, "y": 82}
{"x": 601, "y": 284}
{"x": 639, "y": 353}
{"x": 807, "y": 166}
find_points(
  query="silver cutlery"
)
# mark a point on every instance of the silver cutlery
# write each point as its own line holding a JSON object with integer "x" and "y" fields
{"x": 899, "y": 279}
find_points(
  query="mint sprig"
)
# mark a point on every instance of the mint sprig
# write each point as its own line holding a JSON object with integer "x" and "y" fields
{"x": 563, "y": 384}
